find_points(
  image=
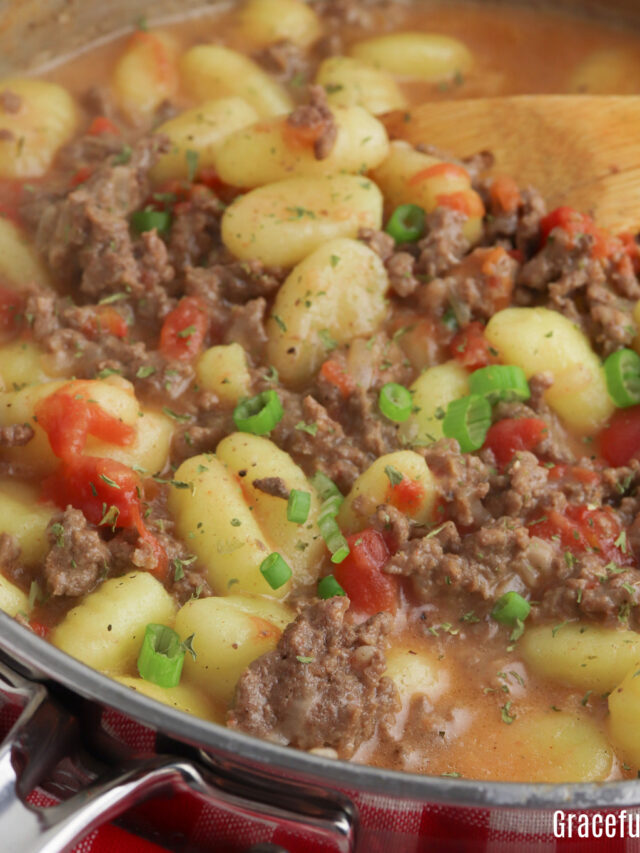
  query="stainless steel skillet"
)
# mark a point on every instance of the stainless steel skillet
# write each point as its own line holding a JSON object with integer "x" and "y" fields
{"x": 64, "y": 738}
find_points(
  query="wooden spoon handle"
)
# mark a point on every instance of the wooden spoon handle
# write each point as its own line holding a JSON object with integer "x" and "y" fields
{"x": 579, "y": 150}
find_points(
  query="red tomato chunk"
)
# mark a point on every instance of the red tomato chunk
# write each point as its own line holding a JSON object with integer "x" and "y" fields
{"x": 511, "y": 435}
{"x": 361, "y": 576}
{"x": 184, "y": 330}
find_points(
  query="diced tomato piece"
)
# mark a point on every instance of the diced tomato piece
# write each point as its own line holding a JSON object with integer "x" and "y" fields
{"x": 511, "y": 435}
{"x": 405, "y": 495}
{"x": 83, "y": 174}
{"x": 471, "y": 348}
{"x": 302, "y": 136}
{"x": 334, "y": 373}
{"x": 39, "y": 629}
{"x": 106, "y": 319}
{"x": 11, "y": 313}
{"x": 184, "y": 330}
{"x": 580, "y": 529}
{"x": 101, "y": 125}
{"x": 69, "y": 416}
{"x": 574, "y": 472}
{"x": 575, "y": 224}
{"x": 360, "y": 574}
{"x": 11, "y": 193}
{"x": 465, "y": 201}
{"x": 438, "y": 170}
{"x": 106, "y": 492}
{"x": 620, "y": 441}
{"x": 504, "y": 194}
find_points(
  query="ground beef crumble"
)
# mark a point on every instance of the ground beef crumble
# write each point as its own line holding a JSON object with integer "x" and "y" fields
{"x": 323, "y": 686}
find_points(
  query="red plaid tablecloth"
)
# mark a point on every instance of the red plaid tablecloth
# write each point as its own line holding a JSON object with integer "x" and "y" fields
{"x": 191, "y": 824}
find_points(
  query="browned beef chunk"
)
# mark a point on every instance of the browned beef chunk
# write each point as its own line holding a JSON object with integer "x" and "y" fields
{"x": 317, "y": 119}
{"x": 85, "y": 236}
{"x": 15, "y": 435}
{"x": 323, "y": 686}
{"x": 285, "y": 61}
{"x": 77, "y": 557}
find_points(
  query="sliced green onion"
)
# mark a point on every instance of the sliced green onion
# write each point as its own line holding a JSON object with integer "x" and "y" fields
{"x": 324, "y": 486}
{"x": 510, "y": 608}
{"x": 395, "y": 402}
{"x": 622, "y": 371}
{"x": 161, "y": 656}
{"x": 331, "y": 506}
{"x": 500, "y": 382}
{"x": 147, "y": 220}
{"x": 468, "y": 421}
{"x": 406, "y": 224}
{"x": 260, "y": 414}
{"x": 275, "y": 570}
{"x": 332, "y": 535}
{"x": 298, "y": 506}
{"x": 329, "y": 587}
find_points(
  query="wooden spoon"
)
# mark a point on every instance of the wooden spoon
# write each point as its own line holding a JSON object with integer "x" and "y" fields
{"x": 578, "y": 150}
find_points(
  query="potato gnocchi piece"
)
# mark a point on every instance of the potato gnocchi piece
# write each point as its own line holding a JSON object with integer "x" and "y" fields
{"x": 224, "y": 370}
{"x": 335, "y": 295}
{"x": 425, "y": 56}
{"x": 280, "y": 224}
{"x": 211, "y": 71}
{"x": 19, "y": 262}
{"x": 586, "y": 656}
{"x": 624, "y": 711}
{"x": 26, "y": 518}
{"x": 12, "y": 598}
{"x": 374, "y": 487}
{"x": 349, "y": 82}
{"x": 202, "y": 129}
{"x": 45, "y": 119}
{"x": 232, "y": 525}
{"x": 607, "y": 71}
{"x": 271, "y": 150}
{"x": 416, "y": 672}
{"x": 538, "y": 339}
{"x": 116, "y": 396}
{"x": 146, "y": 74}
{"x": 22, "y": 363}
{"x": 184, "y": 697}
{"x": 432, "y": 392}
{"x": 264, "y": 22}
{"x": 229, "y": 634}
{"x": 300, "y": 544}
{"x": 557, "y": 747}
{"x": 106, "y": 629}
{"x": 408, "y": 176}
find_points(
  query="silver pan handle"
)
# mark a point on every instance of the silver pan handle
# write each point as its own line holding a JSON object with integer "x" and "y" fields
{"x": 45, "y": 735}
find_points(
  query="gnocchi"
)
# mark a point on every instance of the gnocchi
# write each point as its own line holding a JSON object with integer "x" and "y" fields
{"x": 45, "y": 118}
{"x": 415, "y": 493}
{"x": 224, "y": 370}
{"x": 19, "y": 263}
{"x": 232, "y": 525}
{"x": 349, "y": 82}
{"x": 202, "y": 130}
{"x": 624, "y": 706}
{"x": 281, "y": 223}
{"x": 182, "y": 698}
{"x": 273, "y": 150}
{"x": 427, "y": 56}
{"x": 12, "y": 598}
{"x": 538, "y": 339}
{"x": 432, "y": 392}
{"x": 116, "y": 396}
{"x": 335, "y": 295}
{"x": 25, "y": 518}
{"x": 408, "y": 176}
{"x": 265, "y": 22}
{"x": 587, "y": 656}
{"x": 146, "y": 74}
{"x": 229, "y": 634}
{"x": 106, "y": 629}
{"x": 211, "y": 71}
